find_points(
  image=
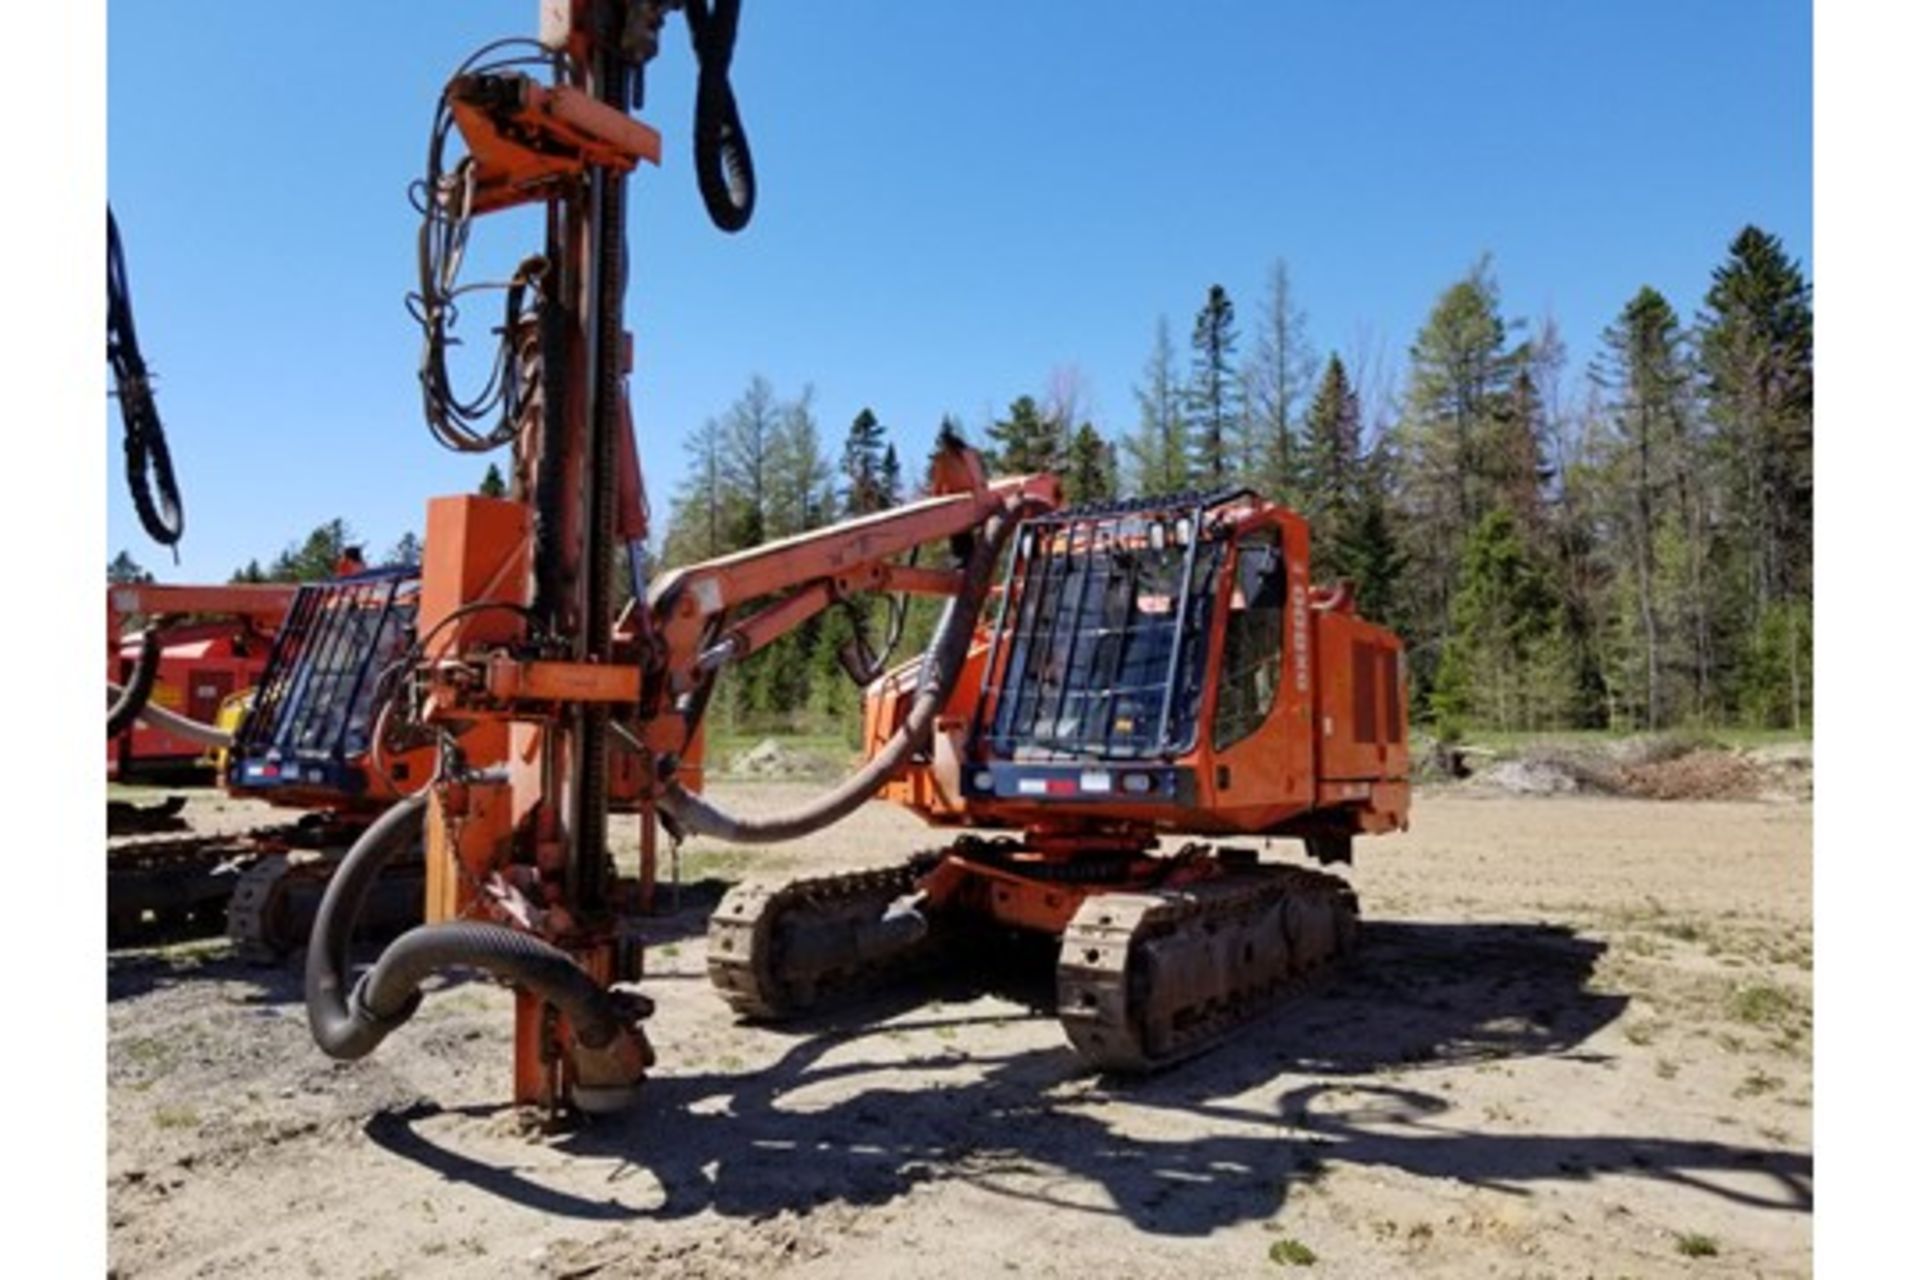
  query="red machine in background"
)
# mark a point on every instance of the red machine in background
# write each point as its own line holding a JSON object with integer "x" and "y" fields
{"x": 201, "y": 665}
{"x": 210, "y": 643}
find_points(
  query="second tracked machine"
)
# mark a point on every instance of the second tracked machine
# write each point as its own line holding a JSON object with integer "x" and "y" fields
{"x": 1157, "y": 670}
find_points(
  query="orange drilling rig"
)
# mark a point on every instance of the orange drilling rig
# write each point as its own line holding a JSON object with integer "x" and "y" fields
{"x": 1149, "y": 667}
{"x": 1155, "y": 666}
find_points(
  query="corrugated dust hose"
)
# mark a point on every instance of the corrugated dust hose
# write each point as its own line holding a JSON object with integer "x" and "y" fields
{"x": 351, "y": 1023}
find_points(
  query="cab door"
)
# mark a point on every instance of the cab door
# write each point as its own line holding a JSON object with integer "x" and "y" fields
{"x": 1260, "y": 737}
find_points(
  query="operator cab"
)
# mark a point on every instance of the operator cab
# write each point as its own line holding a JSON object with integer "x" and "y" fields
{"x": 1164, "y": 665}
{"x": 1135, "y": 640}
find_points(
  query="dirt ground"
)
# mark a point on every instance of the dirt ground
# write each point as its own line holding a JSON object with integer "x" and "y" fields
{"x": 1577, "y": 1043}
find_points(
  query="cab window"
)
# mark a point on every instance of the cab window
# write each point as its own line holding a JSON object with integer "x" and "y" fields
{"x": 1250, "y": 663}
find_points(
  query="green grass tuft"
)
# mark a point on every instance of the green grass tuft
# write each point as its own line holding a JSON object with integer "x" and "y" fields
{"x": 1695, "y": 1245}
{"x": 1764, "y": 1005}
{"x": 1291, "y": 1253}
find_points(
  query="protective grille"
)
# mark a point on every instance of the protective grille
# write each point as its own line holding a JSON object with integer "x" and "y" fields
{"x": 1104, "y": 627}
{"x": 315, "y": 697}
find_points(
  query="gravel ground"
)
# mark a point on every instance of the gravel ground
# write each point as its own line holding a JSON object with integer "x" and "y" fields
{"x": 1577, "y": 1042}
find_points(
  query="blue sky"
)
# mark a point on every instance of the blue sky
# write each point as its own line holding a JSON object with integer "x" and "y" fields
{"x": 955, "y": 200}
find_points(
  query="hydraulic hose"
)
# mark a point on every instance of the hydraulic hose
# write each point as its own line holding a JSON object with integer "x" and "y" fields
{"x": 156, "y": 497}
{"x": 351, "y": 1023}
{"x": 132, "y": 700}
{"x": 173, "y": 722}
{"x": 939, "y": 672}
{"x": 721, "y": 159}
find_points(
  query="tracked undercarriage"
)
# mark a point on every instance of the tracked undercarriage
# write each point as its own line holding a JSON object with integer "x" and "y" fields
{"x": 775, "y": 952}
{"x": 1147, "y": 976}
{"x": 164, "y": 888}
{"x": 276, "y": 899}
{"x": 260, "y": 886}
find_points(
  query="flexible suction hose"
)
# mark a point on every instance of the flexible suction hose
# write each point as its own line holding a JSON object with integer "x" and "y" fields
{"x": 350, "y": 1023}
{"x": 939, "y": 672}
{"x": 172, "y": 722}
{"x": 133, "y": 699}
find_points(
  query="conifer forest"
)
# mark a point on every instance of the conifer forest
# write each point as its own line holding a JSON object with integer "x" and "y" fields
{"x": 1627, "y": 546}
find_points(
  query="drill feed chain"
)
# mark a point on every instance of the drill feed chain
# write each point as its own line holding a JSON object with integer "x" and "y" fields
{"x": 1149, "y": 979}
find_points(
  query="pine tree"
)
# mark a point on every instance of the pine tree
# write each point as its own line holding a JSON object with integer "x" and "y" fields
{"x": 1582, "y": 574}
{"x": 1756, "y": 350}
{"x": 746, "y": 452}
{"x": 1159, "y": 452}
{"x": 863, "y": 463}
{"x": 250, "y": 572}
{"x": 892, "y": 492}
{"x": 1089, "y": 472}
{"x": 1326, "y": 471}
{"x": 1647, "y": 459}
{"x": 799, "y": 493}
{"x": 1458, "y": 380}
{"x": 1067, "y": 402}
{"x": 697, "y": 526}
{"x": 493, "y": 484}
{"x": 123, "y": 568}
{"x": 1365, "y": 547}
{"x": 1279, "y": 379}
{"x": 1775, "y": 673}
{"x": 1026, "y": 441}
{"x": 1503, "y": 657}
{"x": 1516, "y": 462}
{"x": 1459, "y": 376}
{"x": 1213, "y": 391}
{"x": 405, "y": 552}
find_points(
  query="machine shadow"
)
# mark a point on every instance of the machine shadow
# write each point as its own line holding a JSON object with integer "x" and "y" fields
{"x": 802, "y": 1133}
{"x": 135, "y": 973}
